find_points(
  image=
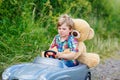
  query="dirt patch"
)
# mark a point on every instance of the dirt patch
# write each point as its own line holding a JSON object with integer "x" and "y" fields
{"x": 107, "y": 70}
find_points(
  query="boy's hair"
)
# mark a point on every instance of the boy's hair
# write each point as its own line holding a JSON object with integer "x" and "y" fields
{"x": 65, "y": 19}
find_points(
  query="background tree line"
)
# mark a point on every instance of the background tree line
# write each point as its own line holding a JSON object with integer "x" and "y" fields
{"x": 27, "y": 27}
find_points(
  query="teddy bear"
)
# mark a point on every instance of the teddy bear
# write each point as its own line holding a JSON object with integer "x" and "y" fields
{"x": 83, "y": 32}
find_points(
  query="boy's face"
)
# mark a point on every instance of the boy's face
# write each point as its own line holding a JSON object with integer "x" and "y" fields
{"x": 64, "y": 30}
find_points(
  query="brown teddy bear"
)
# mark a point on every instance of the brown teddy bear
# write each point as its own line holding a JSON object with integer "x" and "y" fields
{"x": 83, "y": 32}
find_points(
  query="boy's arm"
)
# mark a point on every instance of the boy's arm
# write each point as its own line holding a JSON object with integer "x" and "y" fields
{"x": 54, "y": 49}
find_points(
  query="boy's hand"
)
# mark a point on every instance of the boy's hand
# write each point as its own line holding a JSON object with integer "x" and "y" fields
{"x": 50, "y": 53}
{"x": 59, "y": 55}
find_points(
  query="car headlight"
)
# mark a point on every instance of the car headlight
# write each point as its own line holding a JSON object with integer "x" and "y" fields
{"x": 6, "y": 75}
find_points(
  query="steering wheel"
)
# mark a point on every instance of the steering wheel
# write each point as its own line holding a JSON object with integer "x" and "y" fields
{"x": 51, "y": 54}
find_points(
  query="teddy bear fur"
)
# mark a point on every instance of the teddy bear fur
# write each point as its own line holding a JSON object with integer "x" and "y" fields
{"x": 86, "y": 33}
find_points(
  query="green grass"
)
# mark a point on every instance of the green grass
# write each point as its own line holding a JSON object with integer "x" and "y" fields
{"x": 104, "y": 47}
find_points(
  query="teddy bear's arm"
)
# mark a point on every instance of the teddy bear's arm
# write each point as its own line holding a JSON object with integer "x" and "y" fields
{"x": 82, "y": 49}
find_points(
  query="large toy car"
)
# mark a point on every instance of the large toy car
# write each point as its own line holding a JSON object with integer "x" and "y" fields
{"x": 46, "y": 69}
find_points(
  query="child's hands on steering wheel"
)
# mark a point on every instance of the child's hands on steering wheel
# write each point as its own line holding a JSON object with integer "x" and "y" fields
{"x": 50, "y": 54}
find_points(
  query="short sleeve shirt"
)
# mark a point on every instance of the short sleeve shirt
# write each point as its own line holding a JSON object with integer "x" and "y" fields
{"x": 70, "y": 43}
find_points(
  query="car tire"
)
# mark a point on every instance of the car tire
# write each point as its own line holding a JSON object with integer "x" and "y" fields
{"x": 88, "y": 77}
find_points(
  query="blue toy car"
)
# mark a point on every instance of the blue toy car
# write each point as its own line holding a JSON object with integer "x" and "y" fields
{"x": 46, "y": 69}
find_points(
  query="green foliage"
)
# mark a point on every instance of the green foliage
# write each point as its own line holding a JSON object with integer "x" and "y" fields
{"x": 104, "y": 47}
{"x": 107, "y": 17}
{"x": 27, "y": 27}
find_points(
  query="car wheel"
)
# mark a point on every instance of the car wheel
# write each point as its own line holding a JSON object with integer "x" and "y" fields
{"x": 88, "y": 77}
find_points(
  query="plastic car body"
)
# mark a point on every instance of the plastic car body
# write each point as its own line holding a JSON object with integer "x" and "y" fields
{"x": 46, "y": 69}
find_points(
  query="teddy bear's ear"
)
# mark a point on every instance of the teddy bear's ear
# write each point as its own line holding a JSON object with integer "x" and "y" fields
{"x": 90, "y": 34}
{"x": 75, "y": 33}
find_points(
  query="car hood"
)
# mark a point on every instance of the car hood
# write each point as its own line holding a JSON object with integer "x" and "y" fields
{"x": 33, "y": 71}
